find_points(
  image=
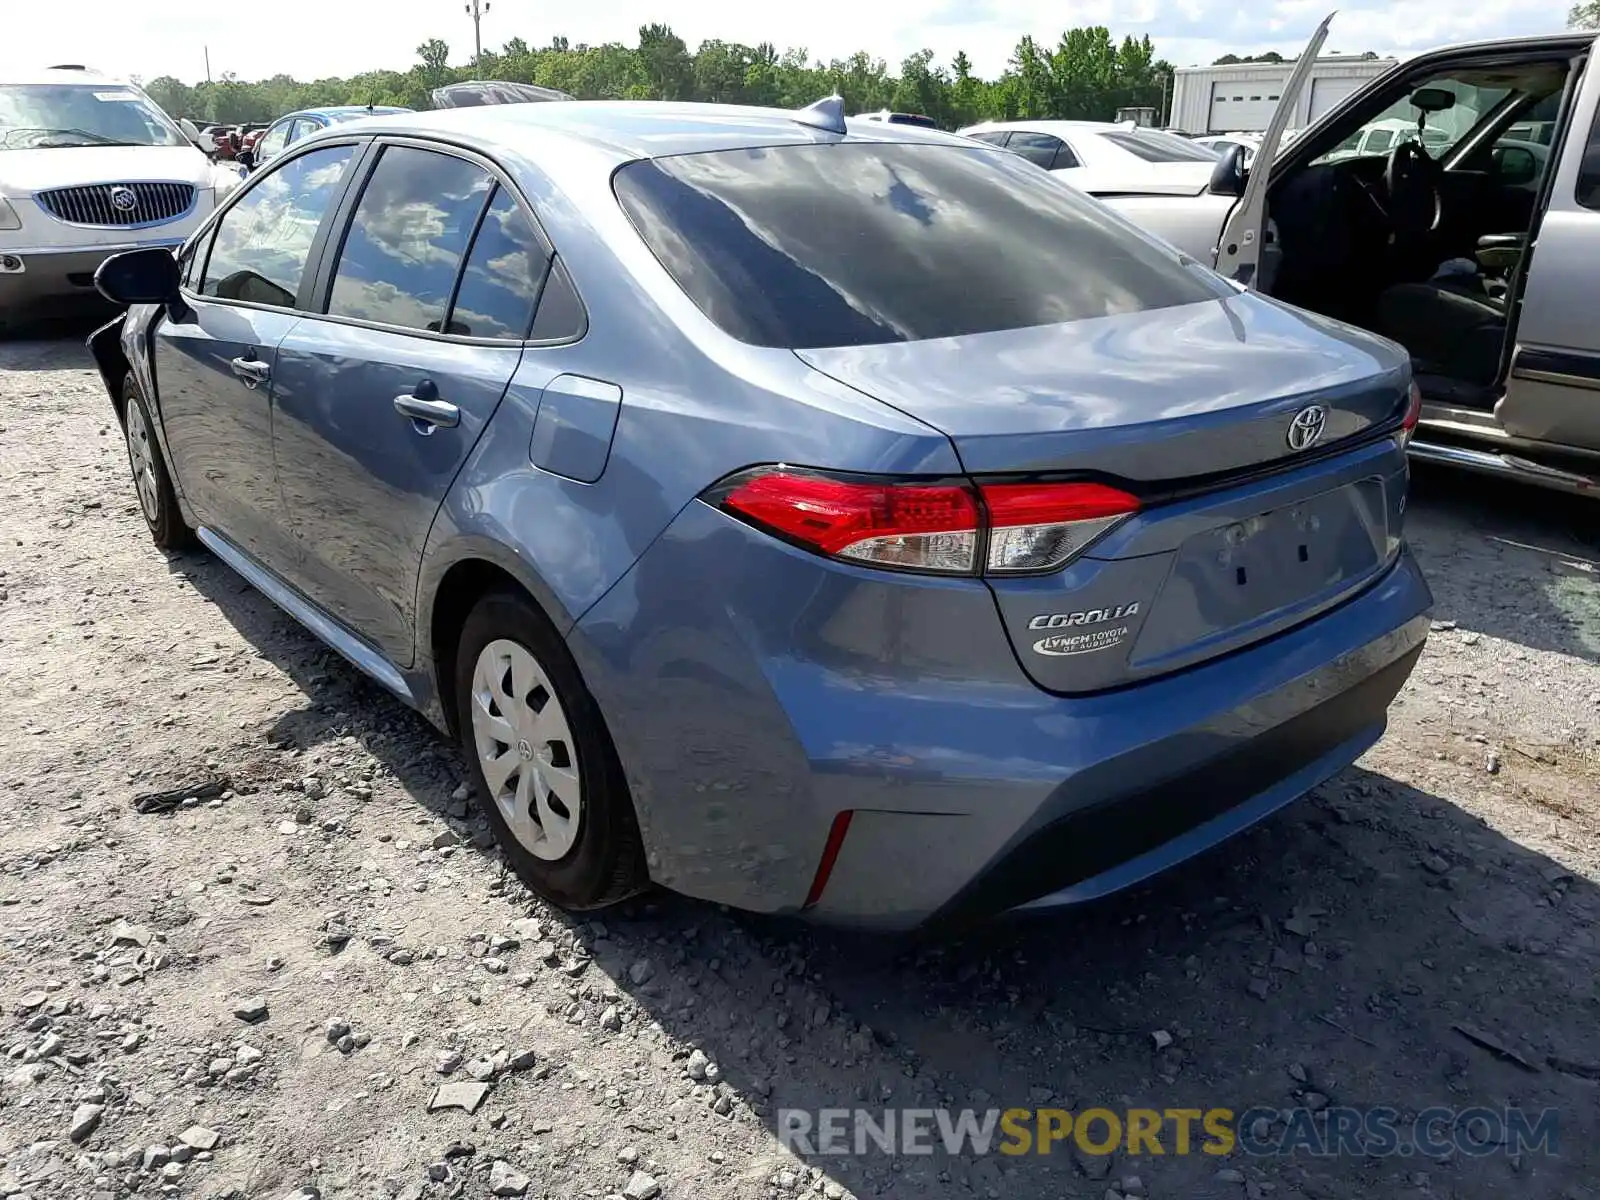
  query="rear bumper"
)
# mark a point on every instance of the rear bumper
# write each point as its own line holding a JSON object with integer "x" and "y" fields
{"x": 971, "y": 790}
{"x": 58, "y": 282}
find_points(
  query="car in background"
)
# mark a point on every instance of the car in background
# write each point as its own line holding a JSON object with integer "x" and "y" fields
{"x": 1383, "y": 135}
{"x": 291, "y": 127}
{"x": 89, "y": 165}
{"x": 1105, "y": 156}
{"x": 1424, "y": 208}
{"x": 474, "y": 93}
{"x": 1248, "y": 143}
{"x": 992, "y": 556}
{"x": 901, "y": 118}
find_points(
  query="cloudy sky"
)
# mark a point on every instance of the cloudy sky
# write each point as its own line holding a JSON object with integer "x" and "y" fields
{"x": 310, "y": 38}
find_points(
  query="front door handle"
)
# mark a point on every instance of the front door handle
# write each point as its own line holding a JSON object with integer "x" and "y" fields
{"x": 251, "y": 370}
{"x": 429, "y": 413}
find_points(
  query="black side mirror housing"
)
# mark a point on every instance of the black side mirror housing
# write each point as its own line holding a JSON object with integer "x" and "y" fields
{"x": 246, "y": 159}
{"x": 1514, "y": 165}
{"x": 139, "y": 277}
{"x": 1228, "y": 176}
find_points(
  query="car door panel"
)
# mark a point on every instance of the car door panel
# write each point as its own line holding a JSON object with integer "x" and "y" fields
{"x": 218, "y": 419}
{"x": 361, "y": 479}
{"x": 215, "y": 358}
{"x": 1241, "y": 246}
{"x": 378, "y": 404}
{"x": 1553, "y": 388}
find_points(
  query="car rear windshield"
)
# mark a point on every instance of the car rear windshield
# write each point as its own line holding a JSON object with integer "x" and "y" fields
{"x": 857, "y": 243}
{"x": 1154, "y": 146}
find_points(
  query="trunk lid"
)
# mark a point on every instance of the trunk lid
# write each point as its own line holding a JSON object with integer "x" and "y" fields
{"x": 1190, "y": 408}
{"x": 1156, "y": 179}
{"x": 1154, "y": 397}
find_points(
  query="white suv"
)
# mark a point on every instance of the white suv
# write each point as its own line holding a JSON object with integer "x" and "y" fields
{"x": 89, "y": 165}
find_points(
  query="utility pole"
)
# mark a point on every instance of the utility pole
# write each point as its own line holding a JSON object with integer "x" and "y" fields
{"x": 208, "y": 64}
{"x": 476, "y": 11}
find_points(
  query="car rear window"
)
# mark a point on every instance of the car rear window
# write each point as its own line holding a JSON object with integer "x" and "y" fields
{"x": 1155, "y": 146}
{"x": 856, "y": 243}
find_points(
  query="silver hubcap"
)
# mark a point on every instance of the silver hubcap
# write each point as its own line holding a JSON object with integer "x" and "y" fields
{"x": 143, "y": 461}
{"x": 525, "y": 749}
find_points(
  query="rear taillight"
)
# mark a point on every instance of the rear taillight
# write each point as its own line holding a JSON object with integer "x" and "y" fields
{"x": 1408, "y": 426}
{"x": 1041, "y": 526}
{"x": 920, "y": 526}
{"x": 945, "y": 527}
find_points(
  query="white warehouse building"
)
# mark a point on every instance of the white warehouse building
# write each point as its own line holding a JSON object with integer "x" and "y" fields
{"x": 1241, "y": 97}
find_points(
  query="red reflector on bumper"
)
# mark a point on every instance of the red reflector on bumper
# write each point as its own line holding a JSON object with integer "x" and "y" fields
{"x": 830, "y": 855}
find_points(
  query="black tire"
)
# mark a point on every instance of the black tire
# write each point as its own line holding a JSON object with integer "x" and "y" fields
{"x": 606, "y": 861}
{"x": 158, "y": 502}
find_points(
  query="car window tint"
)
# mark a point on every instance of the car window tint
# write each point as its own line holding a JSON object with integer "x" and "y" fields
{"x": 1065, "y": 158}
{"x": 561, "y": 313}
{"x": 263, "y": 241}
{"x": 857, "y": 243}
{"x": 304, "y": 128}
{"x": 505, "y": 270}
{"x": 995, "y": 137}
{"x": 407, "y": 238}
{"x": 1155, "y": 146}
{"x": 1037, "y": 148}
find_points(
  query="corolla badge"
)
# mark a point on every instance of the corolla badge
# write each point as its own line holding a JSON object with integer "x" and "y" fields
{"x": 1307, "y": 427}
{"x": 1063, "y": 645}
{"x": 123, "y": 199}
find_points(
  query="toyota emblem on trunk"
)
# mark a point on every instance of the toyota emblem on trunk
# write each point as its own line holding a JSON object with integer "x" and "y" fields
{"x": 123, "y": 199}
{"x": 1307, "y": 426}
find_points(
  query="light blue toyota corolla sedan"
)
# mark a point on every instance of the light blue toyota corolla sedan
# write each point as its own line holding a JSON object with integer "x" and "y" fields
{"x": 807, "y": 515}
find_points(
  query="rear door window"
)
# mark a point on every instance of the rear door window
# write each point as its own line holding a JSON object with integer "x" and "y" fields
{"x": 411, "y": 228}
{"x": 857, "y": 243}
{"x": 263, "y": 242}
{"x": 1038, "y": 148}
{"x": 505, "y": 270}
{"x": 1152, "y": 145}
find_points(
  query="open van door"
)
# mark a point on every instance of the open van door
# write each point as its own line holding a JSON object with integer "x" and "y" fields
{"x": 1239, "y": 249}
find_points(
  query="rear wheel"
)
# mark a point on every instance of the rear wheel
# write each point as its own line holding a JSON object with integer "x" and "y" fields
{"x": 158, "y": 502}
{"x": 547, "y": 775}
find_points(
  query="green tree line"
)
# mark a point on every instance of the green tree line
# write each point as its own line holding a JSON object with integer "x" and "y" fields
{"x": 1087, "y": 75}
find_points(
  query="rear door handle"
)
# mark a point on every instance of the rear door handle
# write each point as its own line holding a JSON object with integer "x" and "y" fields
{"x": 252, "y": 371}
{"x": 428, "y": 412}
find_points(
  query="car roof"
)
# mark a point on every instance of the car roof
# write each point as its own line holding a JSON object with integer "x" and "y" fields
{"x": 1056, "y": 126}
{"x": 345, "y": 110}
{"x": 623, "y": 130}
{"x": 58, "y": 75}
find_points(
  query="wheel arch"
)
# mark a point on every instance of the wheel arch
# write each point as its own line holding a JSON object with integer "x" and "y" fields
{"x": 453, "y": 589}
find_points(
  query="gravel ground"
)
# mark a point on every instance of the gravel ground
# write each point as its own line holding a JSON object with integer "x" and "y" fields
{"x": 266, "y": 989}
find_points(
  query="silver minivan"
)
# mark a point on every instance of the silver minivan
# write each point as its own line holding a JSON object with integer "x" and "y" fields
{"x": 1468, "y": 240}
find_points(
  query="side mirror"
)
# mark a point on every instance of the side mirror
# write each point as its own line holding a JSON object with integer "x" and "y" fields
{"x": 190, "y": 131}
{"x": 1227, "y": 177}
{"x": 139, "y": 277}
{"x": 246, "y": 159}
{"x": 1514, "y": 165}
